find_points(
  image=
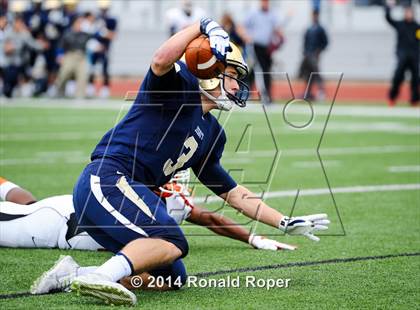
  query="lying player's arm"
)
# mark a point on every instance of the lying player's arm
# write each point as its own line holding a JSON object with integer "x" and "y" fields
{"x": 218, "y": 224}
{"x": 9, "y": 191}
{"x": 249, "y": 204}
{"x": 226, "y": 227}
{"x": 172, "y": 50}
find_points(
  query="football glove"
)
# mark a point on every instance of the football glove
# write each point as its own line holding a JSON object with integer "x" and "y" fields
{"x": 219, "y": 39}
{"x": 263, "y": 243}
{"x": 179, "y": 207}
{"x": 305, "y": 225}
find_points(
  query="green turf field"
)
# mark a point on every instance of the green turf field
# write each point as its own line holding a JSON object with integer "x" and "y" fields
{"x": 370, "y": 156}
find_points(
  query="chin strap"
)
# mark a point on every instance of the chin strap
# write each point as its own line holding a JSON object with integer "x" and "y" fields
{"x": 222, "y": 102}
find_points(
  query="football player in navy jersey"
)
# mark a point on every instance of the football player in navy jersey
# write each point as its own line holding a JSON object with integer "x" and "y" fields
{"x": 168, "y": 128}
{"x": 107, "y": 27}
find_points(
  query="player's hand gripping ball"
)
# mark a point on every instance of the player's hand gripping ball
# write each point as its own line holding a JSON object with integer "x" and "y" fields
{"x": 200, "y": 60}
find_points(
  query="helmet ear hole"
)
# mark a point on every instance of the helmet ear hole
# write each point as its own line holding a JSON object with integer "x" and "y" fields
{"x": 209, "y": 84}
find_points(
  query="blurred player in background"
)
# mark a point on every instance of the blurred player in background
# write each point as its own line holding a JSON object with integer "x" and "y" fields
{"x": 408, "y": 53}
{"x": 72, "y": 57}
{"x": 3, "y": 28}
{"x": 17, "y": 42}
{"x": 315, "y": 42}
{"x": 106, "y": 27}
{"x": 179, "y": 18}
{"x": 237, "y": 33}
{"x": 263, "y": 26}
{"x": 54, "y": 28}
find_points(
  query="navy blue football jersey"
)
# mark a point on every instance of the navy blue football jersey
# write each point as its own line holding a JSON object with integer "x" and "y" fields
{"x": 106, "y": 23}
{"x": 165, "y": 131}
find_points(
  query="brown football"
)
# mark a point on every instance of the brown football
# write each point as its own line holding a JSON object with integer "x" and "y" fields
{"x": 201, "y": 61}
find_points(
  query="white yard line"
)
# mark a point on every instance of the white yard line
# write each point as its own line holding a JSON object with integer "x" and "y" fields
{"x": 42, "y": 136}
{"x": 323, "y": 109}
{"x": 351, "y": 150}
{"x": 403, "y": 169}
{"x": 326, "y": 191}
{"x": 316, "y": 164}
{"x": 315, "y": 128}
{"x": 228, "y": 158}
{"x": 357, "y": 127}
{"x": 342, "y": 110}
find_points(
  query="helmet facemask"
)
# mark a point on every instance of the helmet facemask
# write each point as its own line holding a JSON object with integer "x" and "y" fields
{"x": 226, "y": 99}
{"x": 240, "y": 96}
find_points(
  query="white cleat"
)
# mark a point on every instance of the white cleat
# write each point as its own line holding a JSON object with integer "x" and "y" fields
{"x": 99, "y": 286}
{"x": 57, "y": 278}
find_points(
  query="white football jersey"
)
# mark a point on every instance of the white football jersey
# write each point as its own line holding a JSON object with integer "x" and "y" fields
{"x": 42, "y": 224}
{"x": 178, "y": 20}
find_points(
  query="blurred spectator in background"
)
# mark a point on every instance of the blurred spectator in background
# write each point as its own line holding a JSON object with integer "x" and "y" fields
{"x": 237, "y": 33}
{"x": 408, "y": 38}
{"x": 105, "y": 29}
{"x": 263, "y": 27}
{"x": 179, "y": 18}
{"x": 69, "y": 13}
{"x": 315, "y": 41}
{"x": 54, "y": 29}
{"x": 72, "y": 59}
{"x": 239, "y": 36}
{"x": 3, "y": 7}
{"x": 3, "y": 27}
{"x": 36, "y": 19}
{"x": 17, "y": 42}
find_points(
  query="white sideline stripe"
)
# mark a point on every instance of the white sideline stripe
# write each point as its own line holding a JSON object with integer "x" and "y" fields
{"x": 397, "y": 169}
{"x": 341, "y": 110}
{"x": 330, "y": 151}
{"x": 326, "y": 191}
{"x": 316, "y": 163}
{"x": 42, "y": 136}
{"x": 351, "y": 110}
{"x": 76, "y": 157}
{"x": 95, "y": 186}
{"x": 315, "y": 128}
{"x": 355, "y": 127}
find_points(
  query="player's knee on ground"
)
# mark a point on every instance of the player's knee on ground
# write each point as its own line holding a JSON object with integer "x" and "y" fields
{"x": 180, "y": 242}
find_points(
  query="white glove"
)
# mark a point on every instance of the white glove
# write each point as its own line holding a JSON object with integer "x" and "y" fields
{"x": 219, "y": 39}
{"x": 305, "y": 225}
{"x": 179, "y": 207}
{"x": 263, "y": 243}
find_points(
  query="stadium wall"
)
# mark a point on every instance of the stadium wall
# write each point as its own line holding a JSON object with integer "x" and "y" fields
{"x": 362, "y": 44}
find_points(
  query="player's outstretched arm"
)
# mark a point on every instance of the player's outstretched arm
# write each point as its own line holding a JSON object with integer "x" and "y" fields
{"x": 249, "y": 204}
{"x": 226, "y": 227}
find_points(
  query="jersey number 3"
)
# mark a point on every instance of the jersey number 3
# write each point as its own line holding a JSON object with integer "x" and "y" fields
{"x": 169, "y": 167}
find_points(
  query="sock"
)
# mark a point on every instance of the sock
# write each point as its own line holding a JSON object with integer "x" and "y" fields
{"x": 116, "y": 268}
{"x": 5, "y": 187}
{"x": 85, "y": 270}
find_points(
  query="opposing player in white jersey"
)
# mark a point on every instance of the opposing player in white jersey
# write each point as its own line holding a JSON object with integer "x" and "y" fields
{"x": 51, "y": 222}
